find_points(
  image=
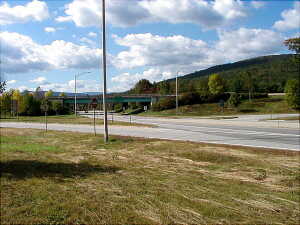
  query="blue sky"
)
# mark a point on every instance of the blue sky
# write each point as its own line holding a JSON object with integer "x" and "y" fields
{"x": 45, "y": 43}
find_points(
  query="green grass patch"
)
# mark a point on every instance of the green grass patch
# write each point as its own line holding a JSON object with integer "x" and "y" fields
{"x": 70, "y": 119}
{"x": 273, "y": 104}
{"x": 140, "y": 181}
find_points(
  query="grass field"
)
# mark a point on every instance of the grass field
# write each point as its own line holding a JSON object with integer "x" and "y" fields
{"x": 73, "y": 178}
{"x": 273, "y": 104}
{"x": 70, "y": 119}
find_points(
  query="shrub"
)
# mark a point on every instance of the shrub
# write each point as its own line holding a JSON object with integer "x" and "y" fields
{"x": 163, "y": 104}
{"x": 234, "y": 100}
{"x": 118, "y": 107}
{"x": 189, "y": 98}
{"x": 292, "y": 93}
{"x": 133, "y": 105}
{"x": 58, "y": 107}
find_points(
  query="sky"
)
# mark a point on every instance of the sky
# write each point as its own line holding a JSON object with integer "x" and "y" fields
{"x": 46, "y": 43}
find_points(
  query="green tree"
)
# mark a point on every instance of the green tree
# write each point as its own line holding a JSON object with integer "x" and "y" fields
{"x": 202, "y": 87}
{"x": 29, "y": 105}
{"x": 143, "y": 87}
{"x": 57, "y": 106}
{"x": 234, "y": 100}
{"x": 164, "y": 87}
{"x": 16, "y": 99}
{"x": 2, "y": 86}
{"x": 292, "y": 93}
{"x": 6, "y": 103}
{"x": 249, "y": 83}
{"x": 293, "y": 44}
{"x": 49, "y": 94}
{"x": 216, "y": 84}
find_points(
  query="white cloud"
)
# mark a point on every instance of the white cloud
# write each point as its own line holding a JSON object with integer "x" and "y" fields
{"x": 291, "y": 19}
{"x": 188, "y": 54}
{"x": 258, "y": 4}
{"x": 11, "y": 82}
{"x": 21, "y": 54}
{"x": 81, "y": 86}
{"x": 246, "y": 43}
{"x": 40, "y": 80}
{"x": 88, "y": 41}
{"x": 127, "y": 80}
{"x": 23, "y": 88}
{"x": 49, "y": 29}
{"x": 62, "y": 19}
{"x": 32, "y": 11}
{"x": 124, "y": 13}
{"x": 155, "y": 50}
{"x": 92, "y": 34}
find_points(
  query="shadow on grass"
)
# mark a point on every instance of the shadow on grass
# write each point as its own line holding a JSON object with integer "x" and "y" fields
{"x": 21, "y": 169}
{"x": 248, "y": 110}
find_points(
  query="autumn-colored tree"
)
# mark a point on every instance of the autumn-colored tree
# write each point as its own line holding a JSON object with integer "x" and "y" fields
{"x": 62, "y": 94}
{"x": 16, "y": 96}
{"x": 144, "y": 86}
{"x": 2, "y": 86}
{"x": 216, "y": 84}
{"x": 293, "y": 44}
{"x": 49, "y": 94}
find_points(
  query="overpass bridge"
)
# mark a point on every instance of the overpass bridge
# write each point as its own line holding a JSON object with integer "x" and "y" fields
{"x": 147, "y": 99}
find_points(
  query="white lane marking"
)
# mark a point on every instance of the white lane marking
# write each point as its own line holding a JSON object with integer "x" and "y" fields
{"x": 229, "y": 130}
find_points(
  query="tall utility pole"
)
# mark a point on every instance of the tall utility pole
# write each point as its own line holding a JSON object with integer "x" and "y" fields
{"x": 104, "y": 72}
{"x": 177, "y": 93}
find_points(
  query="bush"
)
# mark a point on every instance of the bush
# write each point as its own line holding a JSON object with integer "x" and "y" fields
{"x": 133, "y": 105}
{"x": 215, "y": 98}
{"x": 30, "y": 106}
{"x": 118, "y": 107}
{"x": 163, "y": 104}
{"x": 57, "y": 106}
{"x": 292, "y": 93}
{"x": 189, "y": 98}
{"x": 234, "y": 100}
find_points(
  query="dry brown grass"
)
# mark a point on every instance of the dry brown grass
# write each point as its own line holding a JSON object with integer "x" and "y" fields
{"x": 142, "y": 181}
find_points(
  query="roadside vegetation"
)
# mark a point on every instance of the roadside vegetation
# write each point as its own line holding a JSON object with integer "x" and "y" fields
{"x": 71, "y": 119}
{"x": 73, "y": 178}
{"x": 270, "y": 105}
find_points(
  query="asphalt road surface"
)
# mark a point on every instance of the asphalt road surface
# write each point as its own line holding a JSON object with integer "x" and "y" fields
{"x": 242, "y": 131}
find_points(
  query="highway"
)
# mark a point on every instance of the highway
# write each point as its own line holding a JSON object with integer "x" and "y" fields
{"x": 251, "y": 131}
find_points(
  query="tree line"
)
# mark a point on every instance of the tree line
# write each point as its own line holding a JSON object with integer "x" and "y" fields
{"x": 15, "y": 103}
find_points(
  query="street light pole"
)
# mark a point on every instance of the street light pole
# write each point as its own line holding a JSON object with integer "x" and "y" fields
{"x": 104, "y": 71}
{"x": 75, "y": 102}
{"x": 75, "y": 97}
{"x": 177, "y": 93}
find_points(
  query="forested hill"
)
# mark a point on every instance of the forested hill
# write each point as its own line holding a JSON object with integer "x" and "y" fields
{"x": 269, "y": 73}
{"x": 262, "y": 63}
